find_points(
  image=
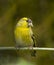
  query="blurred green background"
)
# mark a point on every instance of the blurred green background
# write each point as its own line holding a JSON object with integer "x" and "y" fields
{"x": 42, "y": 14}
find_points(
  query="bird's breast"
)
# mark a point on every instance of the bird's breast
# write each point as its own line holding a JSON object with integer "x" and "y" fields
{"x": 24, "y": 36}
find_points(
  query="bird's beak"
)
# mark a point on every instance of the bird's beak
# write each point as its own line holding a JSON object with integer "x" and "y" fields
{"x": 30, "y": 24}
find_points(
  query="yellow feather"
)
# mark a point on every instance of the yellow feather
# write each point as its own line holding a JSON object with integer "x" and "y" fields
{"x": 23, "y": 33}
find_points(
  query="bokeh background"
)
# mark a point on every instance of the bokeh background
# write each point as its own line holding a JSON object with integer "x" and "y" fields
{"x": 42, "y": 14}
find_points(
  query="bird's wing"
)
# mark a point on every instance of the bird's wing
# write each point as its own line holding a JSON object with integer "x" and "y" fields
{"x": 34, "y": 40}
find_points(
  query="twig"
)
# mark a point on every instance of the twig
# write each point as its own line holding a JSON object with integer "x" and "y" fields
{"x": 26, "y": 48}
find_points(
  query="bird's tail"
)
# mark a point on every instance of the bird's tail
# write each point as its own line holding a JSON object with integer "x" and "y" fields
{"x": 33, "y": 53}
{"x": 34, "y": 45}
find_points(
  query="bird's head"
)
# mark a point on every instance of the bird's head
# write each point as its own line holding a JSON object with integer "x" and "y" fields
{"x": 25, "y": 22}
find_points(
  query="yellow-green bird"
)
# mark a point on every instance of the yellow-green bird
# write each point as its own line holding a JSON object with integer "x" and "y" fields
{"x": 24, "y": 35}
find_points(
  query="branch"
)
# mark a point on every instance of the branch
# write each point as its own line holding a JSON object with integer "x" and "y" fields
{"x": 26, "y": 48}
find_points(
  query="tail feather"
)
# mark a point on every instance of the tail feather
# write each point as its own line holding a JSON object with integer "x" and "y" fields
{"x": 34, "y": 45}
{"x": 33, "y": 53}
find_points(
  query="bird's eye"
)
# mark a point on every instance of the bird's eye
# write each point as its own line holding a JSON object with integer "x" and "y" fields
{"x": 29, "y": 20}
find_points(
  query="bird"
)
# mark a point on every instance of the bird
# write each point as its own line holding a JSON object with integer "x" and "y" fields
{"x": 24, "y": 35}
